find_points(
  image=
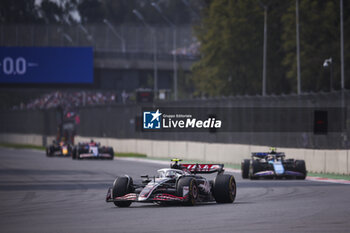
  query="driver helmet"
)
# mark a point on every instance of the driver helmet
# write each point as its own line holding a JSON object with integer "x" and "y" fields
{"x": 273, "y": 150}
{"x": 175, "y": 164}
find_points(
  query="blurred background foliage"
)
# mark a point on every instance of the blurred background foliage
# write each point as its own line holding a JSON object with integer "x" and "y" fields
{"x": 231, "y": 36}
{"x": 231, "y": 33}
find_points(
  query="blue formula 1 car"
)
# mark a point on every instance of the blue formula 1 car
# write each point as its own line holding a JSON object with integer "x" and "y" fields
{"x": 272, "y": 165}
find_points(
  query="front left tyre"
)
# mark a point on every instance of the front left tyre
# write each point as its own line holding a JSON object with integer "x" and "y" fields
{"x": 224, "y": 189}
{"x": 301, "y": 167}
{"x": 74, "y": 153}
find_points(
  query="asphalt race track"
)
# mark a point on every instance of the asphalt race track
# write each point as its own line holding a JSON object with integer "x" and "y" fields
{"x": 40, "y": 194}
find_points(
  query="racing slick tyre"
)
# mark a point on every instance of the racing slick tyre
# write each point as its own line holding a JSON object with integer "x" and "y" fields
{"x": 300, "y": 167}
{"x": 224, "y": 189}
{"x": 70, "y": 151}
{"x": 191, "y": 183}
{"x": 121, "y": 187}
{"x": 111, "y": 152}
{"x": 74, "y": 153}
{"x": 79, "y": 151}
{"x": 245, "y": 168}
{"x": 49, "y": 152}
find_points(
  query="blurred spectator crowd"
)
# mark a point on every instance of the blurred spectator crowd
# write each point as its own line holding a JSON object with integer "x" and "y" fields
{"x": 69, "y": 100}
{"x": 190, "y": 51}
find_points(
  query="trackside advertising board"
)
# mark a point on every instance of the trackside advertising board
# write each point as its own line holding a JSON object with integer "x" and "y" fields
{"x": 46, "y": 65}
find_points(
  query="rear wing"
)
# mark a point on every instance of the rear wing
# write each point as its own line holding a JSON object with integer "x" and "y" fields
{"x": 203, "y": 168}
{"x": 264, "y": 154}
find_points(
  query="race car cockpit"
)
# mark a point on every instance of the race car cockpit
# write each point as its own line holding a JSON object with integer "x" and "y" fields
{"x": 169, "y": 173}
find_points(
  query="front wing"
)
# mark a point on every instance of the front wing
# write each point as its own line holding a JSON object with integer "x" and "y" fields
{"x": 134, "y": 197}
{"x": 60, "y": 152}
{"x": 271, "y": 173}
{"x": 92, "y": 156}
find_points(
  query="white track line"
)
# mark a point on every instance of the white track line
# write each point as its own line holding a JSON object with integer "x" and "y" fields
{"x": 321, "y": 179}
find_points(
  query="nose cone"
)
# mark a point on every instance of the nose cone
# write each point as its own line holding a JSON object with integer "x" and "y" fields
{"x": 147, "y": 191}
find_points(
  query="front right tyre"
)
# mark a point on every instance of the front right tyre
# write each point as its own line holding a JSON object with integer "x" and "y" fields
{"x": 191, "y": 183}
{"x": 245, "y": 168}
{"x": 49, "y": 151}
{"x": 121, "y": 187}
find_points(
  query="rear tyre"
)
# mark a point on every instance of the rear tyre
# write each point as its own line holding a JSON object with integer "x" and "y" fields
{"x": 191, "y": 183}
{"x": 111, "y": 152}
{"x": 121, "y": 187}
{"x": 245, "y": 168}
{"x": 300, "y": 167}
{"x": 224, "y": 189}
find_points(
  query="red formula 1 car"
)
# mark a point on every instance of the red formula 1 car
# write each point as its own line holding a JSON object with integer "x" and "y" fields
{"x": 62, "y": 149}
{"x": 181, "y": 183}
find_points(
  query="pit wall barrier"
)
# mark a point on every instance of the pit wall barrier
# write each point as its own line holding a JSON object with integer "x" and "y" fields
{"x": 318, "y": 161}
{"x": 26, "y": 139}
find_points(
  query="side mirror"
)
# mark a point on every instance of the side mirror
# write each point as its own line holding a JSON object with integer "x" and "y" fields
{"x": 145, "y": 179}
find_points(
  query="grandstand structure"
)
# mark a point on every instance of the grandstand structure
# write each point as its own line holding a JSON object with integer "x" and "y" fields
{"x": 123, "y": 55}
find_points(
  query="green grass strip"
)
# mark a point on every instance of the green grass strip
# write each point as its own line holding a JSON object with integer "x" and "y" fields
{"x": 21, "y": 146}
{"x": 134, "y": 155}
{"x": 329, "y": 176}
